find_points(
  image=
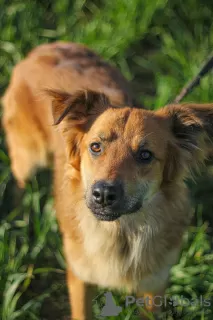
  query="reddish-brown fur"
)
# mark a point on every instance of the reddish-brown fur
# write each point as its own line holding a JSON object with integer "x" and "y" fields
{"x": 91, "y": 102}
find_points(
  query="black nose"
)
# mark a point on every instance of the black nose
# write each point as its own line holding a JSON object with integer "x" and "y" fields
{"x": 106, "y": 193}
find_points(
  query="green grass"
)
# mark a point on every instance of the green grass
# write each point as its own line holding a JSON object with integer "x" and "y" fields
{"x": 158, "y": 45}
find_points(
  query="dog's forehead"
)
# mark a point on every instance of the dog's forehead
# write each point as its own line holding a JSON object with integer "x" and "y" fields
{"x": 128, "y": 123}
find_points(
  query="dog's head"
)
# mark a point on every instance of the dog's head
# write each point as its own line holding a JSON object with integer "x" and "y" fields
{"x": 123, "y": 155}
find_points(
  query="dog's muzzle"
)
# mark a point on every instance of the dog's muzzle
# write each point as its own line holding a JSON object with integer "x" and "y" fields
{"x": 107, "y": 201}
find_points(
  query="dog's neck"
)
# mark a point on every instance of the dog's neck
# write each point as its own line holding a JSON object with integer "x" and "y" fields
{"x": 133, "y": 245}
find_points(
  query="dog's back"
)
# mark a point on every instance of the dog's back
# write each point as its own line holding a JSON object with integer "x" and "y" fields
{"x": 27, "y": 117}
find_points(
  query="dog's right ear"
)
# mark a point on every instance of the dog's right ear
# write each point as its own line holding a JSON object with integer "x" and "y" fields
{"x": 79, "y": 108}
{"x": 74, "y": 115}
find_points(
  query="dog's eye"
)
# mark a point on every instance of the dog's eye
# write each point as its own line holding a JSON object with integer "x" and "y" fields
{"x": 95, "y": 148}
{"x": 145, "y": 156}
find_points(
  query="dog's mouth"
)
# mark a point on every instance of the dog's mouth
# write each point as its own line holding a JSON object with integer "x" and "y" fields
{"x": 107, "y": 217}
{"x": 108, "y": 214}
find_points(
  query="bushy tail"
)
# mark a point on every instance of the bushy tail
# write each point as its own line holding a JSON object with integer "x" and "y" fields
{"x": 28, "y": 138}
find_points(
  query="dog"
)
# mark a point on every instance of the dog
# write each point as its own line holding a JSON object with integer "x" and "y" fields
{"x": 119, "y": 170}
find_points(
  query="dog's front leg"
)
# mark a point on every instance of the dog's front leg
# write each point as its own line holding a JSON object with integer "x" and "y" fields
{"x": 80, "y": 295}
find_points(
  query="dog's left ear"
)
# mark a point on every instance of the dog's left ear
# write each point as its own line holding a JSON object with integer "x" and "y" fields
{"x": 191, "y": 126}
{"x": 189, "y": 122}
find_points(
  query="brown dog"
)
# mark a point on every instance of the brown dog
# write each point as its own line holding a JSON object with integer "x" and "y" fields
{"x": 121, "y": 201}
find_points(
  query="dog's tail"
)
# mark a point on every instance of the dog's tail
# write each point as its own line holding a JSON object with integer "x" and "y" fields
{"x": 28, "y": 137}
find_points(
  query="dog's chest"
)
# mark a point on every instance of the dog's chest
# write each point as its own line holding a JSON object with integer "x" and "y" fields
{"x": 121, "y": 259}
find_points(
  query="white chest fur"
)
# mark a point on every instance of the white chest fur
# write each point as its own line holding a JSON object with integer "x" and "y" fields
{"x": 132, "y": 253}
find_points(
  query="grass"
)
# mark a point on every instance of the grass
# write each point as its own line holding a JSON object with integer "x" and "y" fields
{"x": 158, "y": 45}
